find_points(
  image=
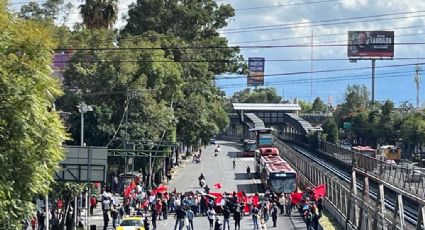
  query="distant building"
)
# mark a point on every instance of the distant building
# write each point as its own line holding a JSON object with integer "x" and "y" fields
{"x": 60, "y": 62}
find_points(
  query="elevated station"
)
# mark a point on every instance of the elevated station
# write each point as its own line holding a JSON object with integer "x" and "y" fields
{"x": 282, "y": 117}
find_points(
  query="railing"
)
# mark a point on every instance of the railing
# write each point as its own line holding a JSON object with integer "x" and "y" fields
{"x": 355, "y": 211}
{"x": 408, "y": 177}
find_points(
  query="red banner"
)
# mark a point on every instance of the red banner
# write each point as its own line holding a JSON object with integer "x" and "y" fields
{"x": 319, "y": 191}
{"x": 296, "y": 197}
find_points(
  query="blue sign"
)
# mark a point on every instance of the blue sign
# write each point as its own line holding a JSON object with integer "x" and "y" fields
{"x": 256, "y": 71}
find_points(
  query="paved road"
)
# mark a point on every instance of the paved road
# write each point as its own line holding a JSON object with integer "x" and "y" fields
{"x": 218, "y": 170}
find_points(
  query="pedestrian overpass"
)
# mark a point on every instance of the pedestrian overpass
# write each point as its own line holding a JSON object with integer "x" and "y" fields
{"x": 282, "y": 117}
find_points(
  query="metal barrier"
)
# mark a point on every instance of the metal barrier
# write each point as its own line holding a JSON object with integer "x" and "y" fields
{"x": 355, "y": 211}
{"x": 408, "y": 177}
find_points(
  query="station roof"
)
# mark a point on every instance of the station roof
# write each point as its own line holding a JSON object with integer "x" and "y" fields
{"x": 266, "y": 107}
{"x": 259, "y": 124}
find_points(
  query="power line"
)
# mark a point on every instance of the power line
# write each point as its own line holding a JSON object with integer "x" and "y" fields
{"x": 223, "y": 47}
{"x": 326, "y": 20}
{"x": 306, "y": 81}
{"x": 326, "y": 79}
{"x": 313, "y": 25}
{"x": 325, "y": 71}
{"x": 220, "y": 60}
{"x": 284, "y": 5}
{"x": 328, "y": 35}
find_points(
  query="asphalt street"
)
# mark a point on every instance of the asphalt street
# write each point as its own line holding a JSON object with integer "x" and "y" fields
{"x": 217, "y": 169}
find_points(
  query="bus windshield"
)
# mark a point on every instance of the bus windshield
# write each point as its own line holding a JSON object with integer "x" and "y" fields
{"x": 284, "y": 185}
{"x": 249, "y": 147}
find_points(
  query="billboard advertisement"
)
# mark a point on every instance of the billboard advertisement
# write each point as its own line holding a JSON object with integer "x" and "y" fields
{"x": 370, "y": 44}
{"x": 255, "y": 71}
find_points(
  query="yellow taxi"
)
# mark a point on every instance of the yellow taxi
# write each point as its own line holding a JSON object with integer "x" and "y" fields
{"x": 131, "y": 223}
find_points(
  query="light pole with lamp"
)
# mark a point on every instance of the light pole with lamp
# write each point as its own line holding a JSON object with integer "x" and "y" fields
{"x": 82, "y": 108}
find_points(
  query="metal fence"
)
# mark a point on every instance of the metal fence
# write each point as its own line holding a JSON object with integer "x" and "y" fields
{"x": 407, "y": 177}
{"x": 356, "y": 211}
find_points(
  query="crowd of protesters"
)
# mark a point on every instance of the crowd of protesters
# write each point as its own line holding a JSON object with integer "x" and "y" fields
{"x": 221, "y": 210}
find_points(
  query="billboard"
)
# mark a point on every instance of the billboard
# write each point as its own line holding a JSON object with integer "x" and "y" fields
{"x": 255, "y": 71}
{"x": 370, "y": 44}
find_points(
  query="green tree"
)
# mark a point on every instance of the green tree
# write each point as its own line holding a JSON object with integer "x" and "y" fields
{"x": 356, "y": 98}
{"x": 31, "y": 132}
{"x": 413, "y": 131}
{"x": 331, "y": 130}
{"x": 261, "y": 95}
{"x": 306, "y": 107}
{"x": 99, "y": 14}
{"x": 318, "y": 106}
{"x": 48, "y": 11}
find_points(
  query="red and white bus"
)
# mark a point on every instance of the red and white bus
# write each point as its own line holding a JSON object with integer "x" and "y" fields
{"x": 277, "y": 175}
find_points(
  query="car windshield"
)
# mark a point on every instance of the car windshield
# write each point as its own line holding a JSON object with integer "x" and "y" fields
{"x": 131, "y": 223}
{"x": 287, "y": 185}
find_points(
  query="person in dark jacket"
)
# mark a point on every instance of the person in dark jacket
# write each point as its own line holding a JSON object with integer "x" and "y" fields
{"x": 237, "y": 218}
{"x": 146, "y": 223}
{"x": 274, "y": 212}
{"x": 226, "y": 217}
{"x": 154, "y": 216}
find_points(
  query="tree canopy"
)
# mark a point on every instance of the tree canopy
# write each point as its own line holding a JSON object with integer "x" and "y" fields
{"x": 260, "y": 95}
{"x": 31, "y": 132}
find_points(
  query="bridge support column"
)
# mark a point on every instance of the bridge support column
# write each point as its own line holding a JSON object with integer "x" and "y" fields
{"x": 352, "y": 206}
{"x": 399, "y": 209}
{"x": 421, "y": 217}
{"x": 380, "y": 209}
{"x": 364, "y": 208}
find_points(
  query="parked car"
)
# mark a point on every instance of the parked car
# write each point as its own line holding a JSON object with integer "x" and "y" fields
{"x": 131, "y": 223}
{"x": 212, "y": 141}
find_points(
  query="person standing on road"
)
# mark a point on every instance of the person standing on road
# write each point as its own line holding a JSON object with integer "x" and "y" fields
{"x": 93, "y": 202}
{"x": 190, "y": 215}
{"x": 255, "y": 215}
{"x": 274, "y": 212}
{"x": 237, "y": 218}
{"x": 114, "y": 216}
{"x": 211, "y": 216}
{"x": 288, "y": 204}
{"x": 154, "y": 216}
{"x": 179, "y": 216}
{"x": 226, "y": 217}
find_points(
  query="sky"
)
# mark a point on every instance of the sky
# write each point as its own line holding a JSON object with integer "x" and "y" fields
{"x": 325, "y": 24}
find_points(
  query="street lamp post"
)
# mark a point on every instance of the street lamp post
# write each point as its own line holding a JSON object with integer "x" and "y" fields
{"x": 83, "y": 108}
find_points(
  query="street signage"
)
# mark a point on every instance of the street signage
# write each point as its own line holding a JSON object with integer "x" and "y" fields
{"x": 255, "y": 71}
{"x": 83, "y": 164}
{"x": 370, "y": 44}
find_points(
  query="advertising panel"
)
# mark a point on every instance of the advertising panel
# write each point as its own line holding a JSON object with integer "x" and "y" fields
{"x": 255, "y": 71}
{"x": 370, "y": 44}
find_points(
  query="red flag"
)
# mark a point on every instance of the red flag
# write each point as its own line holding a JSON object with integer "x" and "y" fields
{"x": 127, "y": 191}
{"x": 218, "y": 186}
{"x": 255, "y": 200}
{"x": 218, "y": 196}
{"x": 161, "y": 189}
{"x": 296, "y": 197}
{"x": 319, "y": 191}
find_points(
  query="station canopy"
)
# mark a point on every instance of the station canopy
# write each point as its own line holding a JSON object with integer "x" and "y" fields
{"x": 266, "y": 107}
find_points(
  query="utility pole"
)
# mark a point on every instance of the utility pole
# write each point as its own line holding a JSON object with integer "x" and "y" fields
{"x": 418, "y": 83}
{"x": 373, "y": 81}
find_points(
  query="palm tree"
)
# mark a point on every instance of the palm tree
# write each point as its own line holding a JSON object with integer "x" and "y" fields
{"x": 99, "y": 13}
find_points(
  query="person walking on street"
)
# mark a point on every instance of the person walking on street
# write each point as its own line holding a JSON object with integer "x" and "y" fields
{"x": 255, "y": 214}
{"x": 190, "y": 215}
{"x": 154, "y": 216}
{"x": 179, "y": 216}
{"x": 93, "y": 202}
{"x": 146, "y": 223}
{"x": 274, "y": 212}
{"x": 105, "y": 219}
{"x": 226, "y": 217}
{"x": 211, "y": 216}
{"x": 288, "y": 204}
{"x": 114, "y": 216}
{"x": 237, "y": 218}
